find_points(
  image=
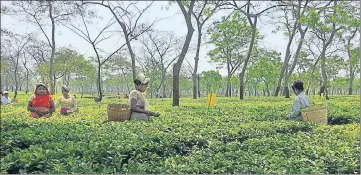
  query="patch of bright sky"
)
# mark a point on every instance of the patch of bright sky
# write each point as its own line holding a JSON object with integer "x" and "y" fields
{"x": 173, "y": 21}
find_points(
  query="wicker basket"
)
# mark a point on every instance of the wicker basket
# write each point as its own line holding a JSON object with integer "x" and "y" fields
{"x": 118, "y": 112}
{"x": 315, "y": 115}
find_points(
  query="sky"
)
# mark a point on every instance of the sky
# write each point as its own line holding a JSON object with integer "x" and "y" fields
{"x": 173, "y": 21}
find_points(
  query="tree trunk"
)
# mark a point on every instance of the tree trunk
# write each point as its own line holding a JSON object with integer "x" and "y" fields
{"x": 27, "y": 81}
{"x": 51, "y": 72}
{"x": 350, "y": 85}
{"x": 178, "y": 64}
{"x": 164, "y": 91}
{"x": 351, "y": 77}
{"x": 126, "y": 35}
{"x": 255, "y": 90}
{"x": 196, "y": 59}
{"x": 54, "y": 82}
{"x": 199, "y": 87}
{"x": 309, "y": 80}
{"x": 6, "y": 81}
{"x": 68, "y": 79}
{"x": 286, "y": 90}
{"x": 242, "y": 74}
{"x": 16, "y": 74}
{"x": 82, "y": 91}
{"x": 228, "y": 90}
{"x": 285, "y": 64}
{"x": 288, "y": 75}
{"x": 323, "y": 70}
{"x": 99, "y": 86}
{"x": 267, "y": 89}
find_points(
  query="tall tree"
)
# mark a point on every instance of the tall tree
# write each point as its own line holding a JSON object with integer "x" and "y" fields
{"x": 15, "y": 44}
{"x": 27, "y": 73}
{"x": 83, "y": 32}
{"x": 202, "y": 12}
{"x": 265, "y": 66}
{"x": 163, "y": 49}
{"x": 36, "y": 12}
{"x": 212, "y": 81}
{"x": 349, "y": 38}
{"x": 325, "y": 28}
{"x": 231, "y": 38}
{"x": 252, "y": 20}
{"x": 120, "y": 67}
{"x": 292, "y": 15}
{"x": 177, "y": 66}
{"x": 128, "y": 18}
{"x": 94, "y": 41}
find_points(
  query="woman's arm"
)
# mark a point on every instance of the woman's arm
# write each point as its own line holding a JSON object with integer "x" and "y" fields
{"x": 296, "y": 108}
{"x": 30, "y": 107}
{"x": 135, "y": 108}
{"x": 52, "y": 107}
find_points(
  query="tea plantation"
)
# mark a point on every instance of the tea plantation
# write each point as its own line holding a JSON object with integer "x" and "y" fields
{"x": 249, "y": 136}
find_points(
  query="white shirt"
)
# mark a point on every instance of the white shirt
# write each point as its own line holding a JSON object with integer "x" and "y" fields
{"x": 5, "y": 100}
{"x": 301, "y": 101}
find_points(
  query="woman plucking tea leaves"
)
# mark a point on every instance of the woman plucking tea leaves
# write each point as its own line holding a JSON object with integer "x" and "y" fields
{"x": 138, "y": 102}
{"x": 301, "y": 101}
{"x": 41, "y": 103}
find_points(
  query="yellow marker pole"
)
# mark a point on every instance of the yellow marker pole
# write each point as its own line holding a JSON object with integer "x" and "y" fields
{"x": 211, "y": 99}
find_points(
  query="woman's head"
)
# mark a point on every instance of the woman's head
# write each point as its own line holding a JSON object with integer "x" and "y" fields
{"x": 41, "y": 89}
{"x": 6, "y": 93}
{"x": 297, "y": 86}
{"x": 65, "y": 90}
{"x": 141, "y": 82}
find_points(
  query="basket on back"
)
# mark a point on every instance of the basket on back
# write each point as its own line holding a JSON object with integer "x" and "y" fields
{"x": 118, "y": 112}
{"x": 315, "y": 115}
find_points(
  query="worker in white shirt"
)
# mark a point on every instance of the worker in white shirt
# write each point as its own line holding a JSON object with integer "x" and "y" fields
{"x": 301, "y": 101}
{"x": 5, "y": 99}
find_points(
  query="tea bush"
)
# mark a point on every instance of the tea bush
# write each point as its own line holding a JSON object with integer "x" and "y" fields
{"x": 249, "y": 136}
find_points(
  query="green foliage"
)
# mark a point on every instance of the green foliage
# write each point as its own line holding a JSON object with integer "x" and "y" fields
{"x": 265, "y": 66}
{"x": 230, "y": 38}
{"x": 67, "y": 60}
{"x": 212, "y": 80}
{"x": 355, "y": 56}
{"x": 334, "y": 64}
{"x": 247, "y": 137}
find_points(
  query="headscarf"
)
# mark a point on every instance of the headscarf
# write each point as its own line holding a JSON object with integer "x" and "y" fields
{"x": 43, "y": 100}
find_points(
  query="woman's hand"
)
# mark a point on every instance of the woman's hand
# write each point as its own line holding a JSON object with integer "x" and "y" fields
{"x": 39, "y": 113}
{"x": 150, "y": 113}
